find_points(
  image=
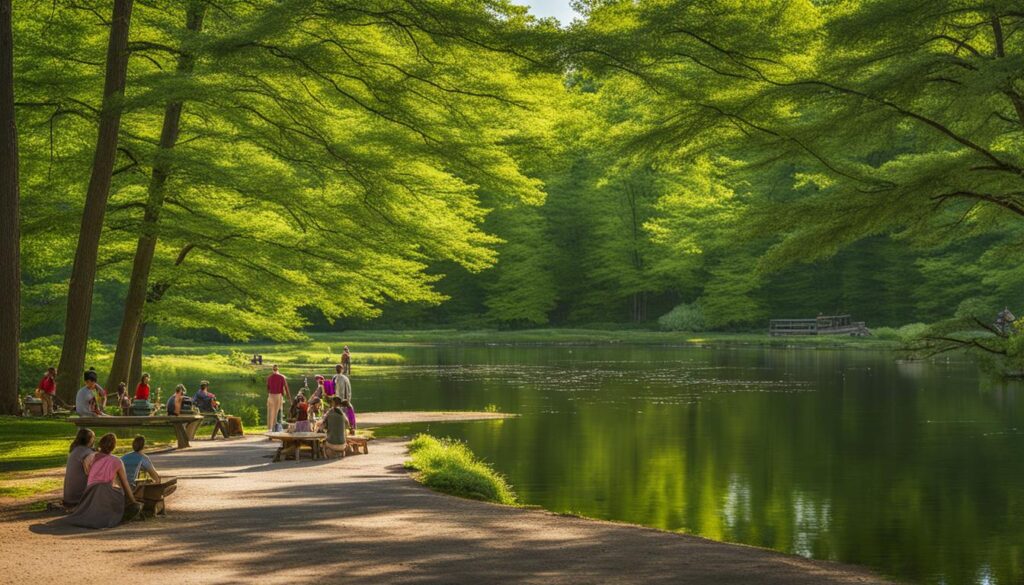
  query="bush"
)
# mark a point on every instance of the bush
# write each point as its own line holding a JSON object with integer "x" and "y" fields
{"x": 905, "y": 334}
{"x": 685, "y": 317}
{"x": 449, "y": 466}
{"x": 249, "y": 414}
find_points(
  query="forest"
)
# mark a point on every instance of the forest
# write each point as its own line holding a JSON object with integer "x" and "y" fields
{"x": 254, "y": 169}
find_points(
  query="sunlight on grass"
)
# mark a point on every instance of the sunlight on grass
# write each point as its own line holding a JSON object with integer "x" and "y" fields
{"x": 31, "y": 444}
{"x": 449, "y": 466}
{"x": 28, "y": 489}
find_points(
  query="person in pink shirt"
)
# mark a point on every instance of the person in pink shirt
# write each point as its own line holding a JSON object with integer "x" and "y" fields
{"x": 277, "y": 391}
{"x": 108, "y": 497}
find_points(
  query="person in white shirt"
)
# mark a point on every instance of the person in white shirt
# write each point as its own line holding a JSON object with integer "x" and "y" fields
{"x": 342, "y": 386}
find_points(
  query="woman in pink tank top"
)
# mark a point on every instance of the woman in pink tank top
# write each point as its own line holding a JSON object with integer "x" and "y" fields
{"x": 103, "y": 505}
{"x": 104, "y": 469}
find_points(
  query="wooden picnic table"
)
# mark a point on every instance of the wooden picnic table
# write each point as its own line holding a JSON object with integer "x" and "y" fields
{"x": 296, "y": 440}
{"x": 184, "y": 425}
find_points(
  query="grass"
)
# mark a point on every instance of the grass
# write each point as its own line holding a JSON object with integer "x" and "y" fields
{"x": 599, "y": 336}
{"x": 28, "y": 489}
{"x": 449, "y": 466}
{"x": 28, "y": 444}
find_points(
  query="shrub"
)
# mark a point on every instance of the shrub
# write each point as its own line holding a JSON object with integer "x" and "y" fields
{"x": 684, "y": 317}
{"x": 449, "y": 466}
{"x": 249, "y": 414}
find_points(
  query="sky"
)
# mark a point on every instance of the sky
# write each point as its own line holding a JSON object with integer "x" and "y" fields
{"x": 558, "y": 8}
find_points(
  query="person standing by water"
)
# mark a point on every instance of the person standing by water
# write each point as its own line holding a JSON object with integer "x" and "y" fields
{"x": 342, "y": 385}
{"x": 85, "y": 403}
{"x": 346, "y": 362}
{"x": 47, "y": 389}
{"x": 277, "y": 391}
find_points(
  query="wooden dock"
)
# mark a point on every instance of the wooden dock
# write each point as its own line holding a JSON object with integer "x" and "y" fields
{"x": 822, "y": 325}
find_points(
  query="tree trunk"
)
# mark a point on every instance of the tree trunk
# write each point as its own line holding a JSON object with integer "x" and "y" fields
{"x": 83, "y": 272}
{"x": 136, "y": 300}
{"x": 135, "y": 374}
{"x": 10, "y": 232}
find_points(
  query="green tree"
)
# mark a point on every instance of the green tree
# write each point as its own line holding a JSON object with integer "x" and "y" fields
{"x": 10, "y": 230}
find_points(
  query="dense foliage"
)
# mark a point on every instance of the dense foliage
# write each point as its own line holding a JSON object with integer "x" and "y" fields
{"x": 287, "y": 164}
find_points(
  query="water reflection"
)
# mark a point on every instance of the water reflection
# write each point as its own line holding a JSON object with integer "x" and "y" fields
{"x": 911, "y": 468}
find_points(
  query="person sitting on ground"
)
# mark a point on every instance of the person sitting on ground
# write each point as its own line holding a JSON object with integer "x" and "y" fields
{"x": 46, "y": 390}
{"x": 301, "y": 415}
{"x": 108, "y": 497}
{"x": 124, "y": 402}
{"x": 205, "y": 400}
{"x": 85, "y": 401}
{"x": 75, "y": 477}
{"x": 350, "y": 415}
{"x": 137, "y": 461}
{"x": 334, "y": 424}
{"x": 174, "y": 402}
{"x": 142, "y": 390}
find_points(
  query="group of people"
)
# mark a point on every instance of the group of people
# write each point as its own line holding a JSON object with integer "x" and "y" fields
{"x": 101, "y": 489}
{"x": 327, "y": 408}
{"x": 91, "y": 398}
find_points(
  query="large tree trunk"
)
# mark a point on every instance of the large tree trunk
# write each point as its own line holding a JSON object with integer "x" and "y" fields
{"x": 10, "y": 233}
{"x": 83, "y": 272}
{"x": 136, "y": 300}
{"x": 135, "y": 373}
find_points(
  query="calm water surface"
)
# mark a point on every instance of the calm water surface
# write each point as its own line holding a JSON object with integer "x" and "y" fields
{"x": 913, "y": 469}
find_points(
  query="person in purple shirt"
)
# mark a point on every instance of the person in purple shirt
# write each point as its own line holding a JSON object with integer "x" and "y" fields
{"x": 277, "y": 391}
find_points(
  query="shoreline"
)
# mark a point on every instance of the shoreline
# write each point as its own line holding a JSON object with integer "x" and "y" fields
{"x": 392, "y": 529}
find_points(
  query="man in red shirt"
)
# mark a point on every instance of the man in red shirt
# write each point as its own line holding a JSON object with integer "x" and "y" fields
{"x": 47, "y": 388}
{"x": 277, "y": 391}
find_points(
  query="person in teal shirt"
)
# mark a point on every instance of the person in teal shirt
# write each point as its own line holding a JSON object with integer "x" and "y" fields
{"x": 136, "y": 461}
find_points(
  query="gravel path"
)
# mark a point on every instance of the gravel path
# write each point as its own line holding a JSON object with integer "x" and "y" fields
{"x": 237, "y": 517}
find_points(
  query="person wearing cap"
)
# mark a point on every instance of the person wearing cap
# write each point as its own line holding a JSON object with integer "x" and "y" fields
{"x": 205, "y": 400}
{"x": 85, "y": 402}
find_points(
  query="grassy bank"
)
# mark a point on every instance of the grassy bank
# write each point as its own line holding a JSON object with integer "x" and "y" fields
{"x": 600, "y": 336}
{"x": 28, "y": 445}
{"x": 450, "y": 467}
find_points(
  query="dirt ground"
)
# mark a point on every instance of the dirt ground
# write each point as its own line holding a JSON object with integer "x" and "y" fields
{"x": 238, "y": 518}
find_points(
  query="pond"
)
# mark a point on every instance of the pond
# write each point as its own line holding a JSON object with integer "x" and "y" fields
{"x": 913, "y": 469}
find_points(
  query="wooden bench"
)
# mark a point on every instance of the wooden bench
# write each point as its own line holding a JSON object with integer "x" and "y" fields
{"x": 357, "y": 443}
{"x": 184, "y": 425}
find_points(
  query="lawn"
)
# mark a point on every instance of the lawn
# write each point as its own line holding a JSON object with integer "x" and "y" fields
{"x": 30, "y": 444}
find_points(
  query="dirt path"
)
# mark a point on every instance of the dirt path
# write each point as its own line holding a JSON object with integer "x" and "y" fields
{"x": 237, "y": 517}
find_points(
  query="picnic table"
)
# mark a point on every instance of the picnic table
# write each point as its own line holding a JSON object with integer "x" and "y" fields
{"x": 184, "y": 425}
{"x": 294, "y": 441}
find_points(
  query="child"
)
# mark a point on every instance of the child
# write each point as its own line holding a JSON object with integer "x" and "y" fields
{"x": 302, "y": 415}
{"x": 350, "y": 414}
{"x": 123, "y": 400}
{"x": 136, "y": 461}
